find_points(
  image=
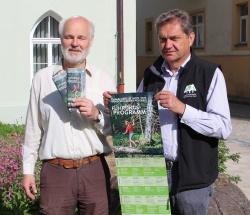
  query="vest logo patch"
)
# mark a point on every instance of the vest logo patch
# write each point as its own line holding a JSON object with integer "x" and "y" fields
{"x": 190, "y": 91}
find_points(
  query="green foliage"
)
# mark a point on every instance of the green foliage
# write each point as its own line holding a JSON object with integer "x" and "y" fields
{"x": 14, "y": 201}
{"x": 156, "y": 138}
{"x": 120, "y": 140}
{"x": 224, "y": 156}
{"x": 8, "y": 129}
{"x": 155, "y": 146}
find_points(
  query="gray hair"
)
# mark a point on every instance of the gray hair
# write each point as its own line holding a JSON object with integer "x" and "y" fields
{"x": 176, "y": 14}
{"x": 62, "y": 23}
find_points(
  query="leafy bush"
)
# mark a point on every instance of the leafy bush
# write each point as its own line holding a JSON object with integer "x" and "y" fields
{"x": 224, "y": 156}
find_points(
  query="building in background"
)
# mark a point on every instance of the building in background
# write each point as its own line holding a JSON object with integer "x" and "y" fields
{"x": 30, "y": 41}
{"x": 222, "y": 36}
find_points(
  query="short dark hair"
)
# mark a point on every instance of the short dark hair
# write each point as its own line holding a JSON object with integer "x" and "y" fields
{"x": 176, "y": 14}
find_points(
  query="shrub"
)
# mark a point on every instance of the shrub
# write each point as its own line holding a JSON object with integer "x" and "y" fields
{"x": 224, "y": 156}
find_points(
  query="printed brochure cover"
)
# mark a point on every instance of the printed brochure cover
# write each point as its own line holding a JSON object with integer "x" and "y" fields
{"x": 141, "y": 169}
{"x": 75, "y": 83}
{"x": 60, "y": 80}
{"x": 70, "y": 83}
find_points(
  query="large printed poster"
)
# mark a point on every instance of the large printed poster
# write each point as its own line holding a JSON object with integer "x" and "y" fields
{"x": 141, "y": 169}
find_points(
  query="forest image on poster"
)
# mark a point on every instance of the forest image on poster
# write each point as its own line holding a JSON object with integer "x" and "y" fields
{"x": 135, "y": 124}
{"x": 140, "y": 164}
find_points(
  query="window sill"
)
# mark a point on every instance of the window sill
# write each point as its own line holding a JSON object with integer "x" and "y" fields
{"x": 240, "y": 45}
{"x": 199, "y": 48}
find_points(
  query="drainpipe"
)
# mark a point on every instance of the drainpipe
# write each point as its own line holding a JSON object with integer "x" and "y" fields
{"x": 120, "y": 47}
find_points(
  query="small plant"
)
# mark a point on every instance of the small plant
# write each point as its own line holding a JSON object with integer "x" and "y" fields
{"x": 224, "y": 156}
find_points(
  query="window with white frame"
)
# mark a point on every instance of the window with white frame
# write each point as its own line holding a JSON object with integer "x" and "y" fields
{"x": 198, "y": 26}
{"x": 243, "y": 23}
{"x": 46, "y": 45}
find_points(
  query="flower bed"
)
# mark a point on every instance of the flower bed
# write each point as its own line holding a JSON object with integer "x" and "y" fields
{"x": 12, "y": 197}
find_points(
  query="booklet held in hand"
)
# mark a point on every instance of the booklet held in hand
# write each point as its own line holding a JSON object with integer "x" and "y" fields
{"x": 70, "y": 84}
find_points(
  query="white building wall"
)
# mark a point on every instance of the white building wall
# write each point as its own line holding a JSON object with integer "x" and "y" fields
{"x": 17, "y": 19}
{"x": 129, "y": 13}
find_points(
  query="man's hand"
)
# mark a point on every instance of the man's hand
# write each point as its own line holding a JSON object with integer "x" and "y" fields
{"x": 168, "y": 100}
{"x": 86, "y": 108}
{"x": 106, "y": 98}
{"x": 29, "y": 186}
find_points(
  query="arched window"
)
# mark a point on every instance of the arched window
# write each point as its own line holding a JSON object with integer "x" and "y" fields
{"x": 46, "y": 44}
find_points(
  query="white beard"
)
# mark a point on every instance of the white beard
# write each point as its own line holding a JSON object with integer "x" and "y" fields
{"x": 74, "y": 59}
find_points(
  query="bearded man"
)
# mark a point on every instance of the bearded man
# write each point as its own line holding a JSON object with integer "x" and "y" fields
{"x": 74, "y": 172}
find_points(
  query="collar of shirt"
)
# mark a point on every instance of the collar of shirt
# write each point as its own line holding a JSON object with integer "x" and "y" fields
{"x": 167, "y": 72}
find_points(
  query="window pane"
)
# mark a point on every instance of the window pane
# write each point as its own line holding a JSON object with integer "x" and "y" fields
{"x": 149, "y": 36}
{"x": 194, "y": 20}
{"x": 198, "y": 27}
{"x": 243, "y": 30}
{"x": 54, "y": 28}
{"x": 199, "y": 36}
{"x": 42, "y": 29}
{"x": 39, "y": 56}
{"x": 43, "y": 53}
{"x": 56, "y": 53}
{"x": 244, "y": 10}
{"x": 200, "y": 19}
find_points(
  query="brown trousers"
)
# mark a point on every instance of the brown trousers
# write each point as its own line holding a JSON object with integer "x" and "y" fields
{"x": 86, "y": 188}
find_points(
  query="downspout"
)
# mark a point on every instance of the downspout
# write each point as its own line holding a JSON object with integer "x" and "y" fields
{"x": 120, "y": 47}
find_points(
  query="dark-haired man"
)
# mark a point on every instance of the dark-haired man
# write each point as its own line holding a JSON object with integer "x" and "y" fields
{"x": 194, "y": 113}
